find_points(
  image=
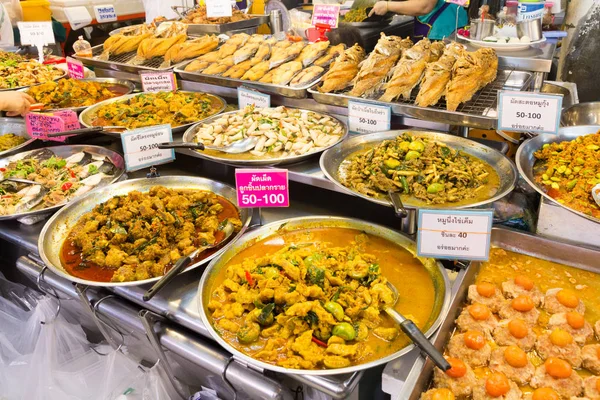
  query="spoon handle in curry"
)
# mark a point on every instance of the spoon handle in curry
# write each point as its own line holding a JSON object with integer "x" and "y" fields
{"x": 424, "y": 344}
{"x": 168, "y": 277}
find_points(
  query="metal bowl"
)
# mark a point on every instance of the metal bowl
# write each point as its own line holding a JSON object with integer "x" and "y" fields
{"x": 58, "y": 227}
{"x": 19, "y": 128}
{"x": 436, "y": 270}
{"x": 581, "y": 114}
{"x": 64, "y": 152}
{"x": 332, "y": 159}
{"x": 552, "y": 88}
{"x": 190, "y": 137}
{"x": 526, "y": 161}
{"x": 126, "y": 85}
{"x": 87, "y": 116}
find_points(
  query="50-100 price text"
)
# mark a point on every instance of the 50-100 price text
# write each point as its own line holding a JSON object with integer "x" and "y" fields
{"x": 149, "y": 147}
{"x": 263, "y": 200}
{"x": 529, "y": 115}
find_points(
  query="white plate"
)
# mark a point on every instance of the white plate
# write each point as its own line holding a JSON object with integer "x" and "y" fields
{"x": 501, "y": 46}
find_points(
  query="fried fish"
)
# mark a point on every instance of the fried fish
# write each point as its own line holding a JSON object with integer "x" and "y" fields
{"x": 280, "y": 56}
{"x": 332, "y": 53}
{"x": 245, "y": 52}
{"x": 283, "y": 74}
{"x": 311, "y": 52}
{"x": 343, "y": 70}
{"x": 190, "y": 49}
{"x": 467, "y": 77}
{"x": 257, "y": 71}
{"x": 307, "y": 76}
{"x": 238, "y": 70}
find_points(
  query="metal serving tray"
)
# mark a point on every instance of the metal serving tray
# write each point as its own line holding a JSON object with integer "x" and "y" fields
{"x": 200, "y": 29}
{"x": 300, "y": 92}
{"x": 479, "y": 112}
{"x": 511, "y": 240}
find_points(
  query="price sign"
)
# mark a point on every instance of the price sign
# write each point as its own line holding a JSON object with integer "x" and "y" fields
{"x": 70, "y": 119}
{"x": 248, "y": 97}
{"x": 262, "y": 188}
{"x": 75, "y": 68}
{"x": 327, "y": 14}
{"x": 36, "y": 33}
{"x": 455, "y": 234}
{"x": 368, "y": 118}
{"x": 529, "y": 112}
{"x": 163, "y": 81}
{"x": 141, "y": 147}
{"x": 218, "y": 8}
{"x": 105, "y": 13}
{"x": 40, "y": 125}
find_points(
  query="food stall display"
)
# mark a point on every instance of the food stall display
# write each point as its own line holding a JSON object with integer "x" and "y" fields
{"x": 17, "y": 75}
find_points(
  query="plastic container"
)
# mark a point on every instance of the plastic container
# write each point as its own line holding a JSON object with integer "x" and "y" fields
{"x": 82, "y": 48}
{"x": 36, "y": 10}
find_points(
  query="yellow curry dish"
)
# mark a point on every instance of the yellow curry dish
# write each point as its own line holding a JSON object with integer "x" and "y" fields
{"x": 10, "y": 140}
{"x": 314, "y": 298}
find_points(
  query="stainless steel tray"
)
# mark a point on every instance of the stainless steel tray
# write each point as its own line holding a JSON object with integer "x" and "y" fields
{"x": 64, "y": 73}
{"x": 435, "y": 269}
{"x": 256, "y": 20}
{"x": 19, "y": 128}
{"x": 515, "y": 241}
{"x": 332, "y": 159}
{"x": 526, "y": 161}
{"x": 479, "y": 112}
{"x": 66, "y": 151}
{"x": 127, "y": 85}
{"x": 190, "y": 137}
{"x": 86, "y": 117}
{"x": 300, "y": 92}
{"x": 58, "y": 227}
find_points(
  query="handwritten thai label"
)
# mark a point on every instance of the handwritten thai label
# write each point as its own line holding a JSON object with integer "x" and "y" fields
{"x": 163, "y": 81}
{"x": 455, "y": 234}
{"x": 368, "y": 118}
{"x": 262, "y": 188}
{"x": 36, "y": 33}
{"x": 328, "y": 14}
{"x": 105, "y": 13}
{"x": 40, "y": 125}
{"x": 141, "y": 147}
{"x": 529, "y": 112}
{"x": 248, "y": 97}
{"x": 218, "y": 8}
{"x": 75, "y": 68}
{"x": 70, "y": 119}
{"x": 530, "y": 11}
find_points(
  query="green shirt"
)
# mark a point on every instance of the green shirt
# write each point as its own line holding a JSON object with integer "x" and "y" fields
{"x": 445, "y": 23}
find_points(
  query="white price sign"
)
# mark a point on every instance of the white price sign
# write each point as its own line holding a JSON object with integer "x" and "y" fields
{"x": 141, "y": 147}
{"x": 218, "y": 8}
{"x": 36, "y": 33}
{"x": 105, "y": 13}
{"x": 529, "y": 112}
{"x": 247, "y": 97}
{"x": 455, "y": 234}
{"x": 368, "y": 118}
{"x": 163, "y": 81}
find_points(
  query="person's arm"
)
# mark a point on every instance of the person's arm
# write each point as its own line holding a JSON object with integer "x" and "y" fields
{"x": 414, "y": 8}
{"x": 15, "y": 103}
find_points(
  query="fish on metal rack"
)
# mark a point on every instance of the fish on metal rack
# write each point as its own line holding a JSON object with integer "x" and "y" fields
{"x": 343, "y": 70}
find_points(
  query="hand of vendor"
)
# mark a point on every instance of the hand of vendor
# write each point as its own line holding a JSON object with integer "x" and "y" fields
{"x": 380, "y": 8}
{"x": 15, "y": 103}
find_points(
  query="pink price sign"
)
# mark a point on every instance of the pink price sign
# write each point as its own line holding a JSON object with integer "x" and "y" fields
{"x": 262, "y": 188}
{"x": 40, "y": 125}
{"x": 327, "y": 14}
{"x": 75, "y": 68}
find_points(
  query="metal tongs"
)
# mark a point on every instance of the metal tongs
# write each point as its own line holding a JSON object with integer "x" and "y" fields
{"x": 240, "y": 146}
{"x": 82, "y": 131}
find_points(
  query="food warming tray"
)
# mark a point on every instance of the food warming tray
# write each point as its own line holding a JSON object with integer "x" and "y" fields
{"x": 511, "y": 240}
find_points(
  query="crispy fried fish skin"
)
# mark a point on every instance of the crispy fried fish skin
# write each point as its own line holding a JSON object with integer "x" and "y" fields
{"x": 307, "y": 75}
{"x": 343, "y": 70}
{"x": 433, "y": 86}
{"x": 471, "y": 72}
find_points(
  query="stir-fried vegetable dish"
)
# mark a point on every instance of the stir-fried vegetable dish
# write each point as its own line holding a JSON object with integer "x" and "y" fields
{"x": 147, "y": 109}
{"x": 10, "y": 140}
{"x": 427, "y": 170}
{"x": 569, "y": 171}
{"x": 15, "y": 74}
{"x": 355, "y": 15}
{"x": 41, "y": 179}
{"x": 8, "y": 56}
{"x": 141, "y": 235}
{"x": 73, "y": 93}
{"x": 313, "y": 299}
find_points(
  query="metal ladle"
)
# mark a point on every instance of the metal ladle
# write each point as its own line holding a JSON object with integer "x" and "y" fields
{"x": 183, "y": 262}
{"x": 240, "y": 146}
{"x": 415, "y": 334}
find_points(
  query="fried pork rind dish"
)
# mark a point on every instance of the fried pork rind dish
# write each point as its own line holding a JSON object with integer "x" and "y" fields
{"x": 428, "y": 170}
{"x": 139, "y": 235}
{"x": 15, "y": 74}
{"x": 147, "y": 109}
{"x": 306, "y": 307}
{"x": 569, "y": 170}
{"x": 198, "y": 16}
{"x": 71, "y": 93}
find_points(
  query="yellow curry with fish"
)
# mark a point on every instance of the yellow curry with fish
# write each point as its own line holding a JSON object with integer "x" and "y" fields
{"x": 313, "y": 298}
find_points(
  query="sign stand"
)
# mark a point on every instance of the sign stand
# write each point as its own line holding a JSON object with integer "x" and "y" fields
{"x": 153, "y": 173}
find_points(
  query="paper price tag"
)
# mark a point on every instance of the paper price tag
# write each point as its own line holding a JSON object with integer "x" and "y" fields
{"x": 529, "y": 112}
{"x": 36, "y": 33}
{"x": 455, "y": 234}
{"x": 141, "y": 147}
{"x": 105, "y": 13}
{"x": 368, "y": 118}
{"x": 262, "y": 188}
{"x": 75, "y": 68}
{"x": 70, "y": 119}
{"x": 163, "y": 81}
{"x": 40, "y": 125}
{"x": 248, "y": 97}
{"x": 218, "y": 8}
{"x": 327, "y": 14}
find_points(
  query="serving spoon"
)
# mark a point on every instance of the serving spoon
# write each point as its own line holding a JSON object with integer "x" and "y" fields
{"x": 183, "y": 262}
{"x": 414, "y": 333}
{"x": 240, "y": 146}
{"x": 82, "y": 131}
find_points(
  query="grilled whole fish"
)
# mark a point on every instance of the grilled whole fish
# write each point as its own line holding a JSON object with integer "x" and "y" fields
{"x": 311, "y": 52}
{"x": 283, "y": 74}
{"x": 378, "y": 65}
{"x": 190, "y": 49}
{"x": 307, "y": 75}
{"x": 257, "y": 71}
{"x": 280, "y": 56}
{"x": 332, "y": 53}
{"x": 343, "y": 70}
